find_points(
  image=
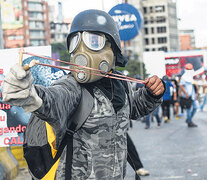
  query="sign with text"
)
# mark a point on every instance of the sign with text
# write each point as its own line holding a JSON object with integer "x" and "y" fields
{"x": 11, "y": 12}
{"x": 13, "y": 119}
{"x": 128, "y": 19}
{"x": 175, "y": 65}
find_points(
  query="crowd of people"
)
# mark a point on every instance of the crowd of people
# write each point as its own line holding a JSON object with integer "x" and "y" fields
{"x": 181, "y": 99}
{"x": 181, "y": 95}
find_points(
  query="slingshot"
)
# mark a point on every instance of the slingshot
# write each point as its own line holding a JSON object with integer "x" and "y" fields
{"x": 100, "y": 73}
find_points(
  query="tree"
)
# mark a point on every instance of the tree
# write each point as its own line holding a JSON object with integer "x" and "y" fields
{"x": 61, "y": 49}
{"x": 133, "y": 67}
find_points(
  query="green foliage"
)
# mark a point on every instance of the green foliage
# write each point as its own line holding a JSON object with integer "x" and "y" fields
{"x": 61, "y": 49}
{"x": 133, "y": 67}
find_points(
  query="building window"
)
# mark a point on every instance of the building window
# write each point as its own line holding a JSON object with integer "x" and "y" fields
{"x": 164, "y": 48}
{"x": 36, "y": 34}
{"x": 34, "y": 6}
{"x": 152, "y": 30}
{"x": 36, "y": 15}
{"x": 37, "y": 42}
{"x": 20, "y": 37}
{"x": 151, "y": 20}
{"x": 162, "y": 40}
{"x": 145, "y": 10}
{"x": 52, "y": 25}
{"x": 146, "y": 49}
{"x": 153, "y": 49}
{"x": 145, "y": 20}
{"x": 58, "y": 27}
{"x": 52, "y": 36}
{"x": 159, "y": 8}
{"x": 153, "y": 40}
{"x": 160, "y": 19}
{"x": 151, "y": 9}
{"x": 146, "y": 41}
{"x": 161, "y": 29}
{"x": 146, "y": 30}
{"x": 36, "y": 24}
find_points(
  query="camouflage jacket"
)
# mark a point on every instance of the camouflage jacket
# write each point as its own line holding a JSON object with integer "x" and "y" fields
{"x": 99, "y": 146}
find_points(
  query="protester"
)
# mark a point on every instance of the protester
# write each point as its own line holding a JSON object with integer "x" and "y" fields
{"x": 88, "y": 113}
{"x": 134, "y": 159}
{"x": 204, "y": 102}
{"x": 155, "y": 114}
{"x": 186, "y": 86}
{"x": 205, "y": 94}
{"x": 167, "y": 99}
{"x": 175, "y": 98}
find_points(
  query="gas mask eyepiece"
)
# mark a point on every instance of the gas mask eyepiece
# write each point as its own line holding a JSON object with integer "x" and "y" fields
{"x": 90, "y": 49}
{"x": 93, "y": 41}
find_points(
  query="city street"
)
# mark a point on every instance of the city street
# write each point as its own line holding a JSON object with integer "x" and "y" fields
{"x": 172, "y": 151}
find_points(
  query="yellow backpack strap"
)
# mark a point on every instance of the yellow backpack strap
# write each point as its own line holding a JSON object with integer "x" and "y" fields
{"x": 51, "y": 140}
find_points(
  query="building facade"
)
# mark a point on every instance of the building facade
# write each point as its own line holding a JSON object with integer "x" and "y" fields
{"x": 160, "y": 25}
{"x": 34, "y": 27}
{"x": 159, "y": 29}
{"x": 59, "y": 31}
{"x": 187, "y": 39}
{"x": 59, "y": 27}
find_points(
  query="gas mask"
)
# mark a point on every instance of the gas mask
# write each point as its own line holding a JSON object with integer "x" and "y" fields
{"x": 92, "y": 50}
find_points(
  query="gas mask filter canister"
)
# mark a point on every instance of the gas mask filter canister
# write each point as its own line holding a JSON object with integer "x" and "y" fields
{"x": 93, "y": 51}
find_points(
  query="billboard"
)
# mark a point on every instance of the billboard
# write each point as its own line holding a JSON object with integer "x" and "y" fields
{"x": 11, "y": 14}
{"x": 128, "y": 20}
{"x": 175, "y": 65}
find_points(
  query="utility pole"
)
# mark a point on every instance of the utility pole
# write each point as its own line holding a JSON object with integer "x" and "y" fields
{"x": 1, "y": 32}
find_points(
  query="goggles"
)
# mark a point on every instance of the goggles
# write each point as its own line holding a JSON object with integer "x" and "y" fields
{"x": 93, "y": 41}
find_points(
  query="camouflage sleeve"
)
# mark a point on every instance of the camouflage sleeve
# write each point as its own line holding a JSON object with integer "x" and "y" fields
{"x": 144, "y": 102}
{"x": 59, "y": 102}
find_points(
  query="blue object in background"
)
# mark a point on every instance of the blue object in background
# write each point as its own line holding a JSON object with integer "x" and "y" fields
{"x": 128, "y": 20}
{"x": 42, "y": 75}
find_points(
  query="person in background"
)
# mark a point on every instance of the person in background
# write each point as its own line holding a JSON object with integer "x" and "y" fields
{"x": 167, "y": 99}
{"x": 175, "y": 97}
{"x": 187, "y": 87}
{"x": 155, "y": 114}
{"x": 205, "y": 96}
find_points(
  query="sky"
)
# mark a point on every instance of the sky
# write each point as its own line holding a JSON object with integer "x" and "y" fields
{"x": 192, "y": 13}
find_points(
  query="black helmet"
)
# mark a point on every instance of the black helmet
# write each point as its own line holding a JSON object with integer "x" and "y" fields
{"x": 98, "y": 21}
